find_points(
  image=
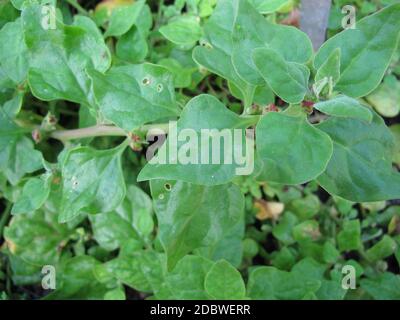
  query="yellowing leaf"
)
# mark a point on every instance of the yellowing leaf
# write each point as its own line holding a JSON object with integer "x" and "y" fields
{"x": 110, "y": 5}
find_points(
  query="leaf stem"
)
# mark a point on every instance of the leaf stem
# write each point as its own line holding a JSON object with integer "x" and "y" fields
{"x": 78, "y": 7}
{"x": 4, "y": 218}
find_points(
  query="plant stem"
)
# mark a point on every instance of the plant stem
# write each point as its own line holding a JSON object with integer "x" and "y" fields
{"x": 78, "y": 7}
{"x": 159, "y": 14}
{"x": 95, "y": 131}
{"x": 4, "y": 218}
{"x": 112, "y": 131}
{"x": 101, "y": 131}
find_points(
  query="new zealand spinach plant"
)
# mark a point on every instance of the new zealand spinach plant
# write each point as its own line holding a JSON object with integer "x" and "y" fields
{"x": 85, "y": 90}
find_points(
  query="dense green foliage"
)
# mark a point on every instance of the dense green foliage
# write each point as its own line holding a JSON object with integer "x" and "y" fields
{"x": 82, "y": 85}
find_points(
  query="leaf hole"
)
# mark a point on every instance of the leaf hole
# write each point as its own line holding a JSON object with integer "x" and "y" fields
{"x": 160, "y": 87}
{"x": 146, "y": 81}
{"x": 74, "y": 182}
{"x": 168, "y": 186}
{"x": 206, "y": 44}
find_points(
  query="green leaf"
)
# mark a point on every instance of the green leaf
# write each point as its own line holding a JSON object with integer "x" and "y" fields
{"x": 252, "y": 30}
{"x": 330, "y": 68}
{"x": 268, "y": 6}
{"x": 310, "y": 271}
{"x": 293, "y": 151}
{"x": 193, "y": 156}
{"x": 58, "y": 58}
{"x": 132, "y": 46}
{"x": 132, "y": 219}
{"x": 216, "y": 50}
{"x": 133, "y": 95}
{"x": 23, "y": 273}
{"x": 288, "y": 80}
{"x": 395, "y": 130}
{"x": 349, "y": 238}
{"x": 186, "y": 281}
{"x": 182, "y": 75}
{"x": 182, "y": 30}
{"x": 7, "y": 13}
{"x": 124, "y": 17}
{"x": 13, "y": 106}
{"x": 34, "y": 194}
{"x": 283, "y": 259}
{"x": 263, "y": 95}
{"x": 385, "y": 287}
{"x": 307, "y": 207}
{"x": 115, "y": 294}
{"x": 6, "y": 85}
{"x": 14, "y": 53}
{"x": 363, "y": 63}
{"x": 330, "y": 253}
{"x": 224, "y": 282}
{"x": 37, "y": 237}
{"x": 307, "y": 230}
{"x": 386, "y": 97}
{"x": 76, "y": 280}
{"x": 384, "y": 248}
{"x": 18, "y": 4}
{"x": 342, "y": 106}
{"x": 143, "y": 270}
{"x": 283, "y": 230}
{"x": 269, "y": 283}
{"x": 92, "y": 182}
{"x": 206, "y": 7}
{"x": 17, "y": 153}
{"x": 229, "y": 248}
{"x": 360, "y": 169}
{"x": 192, "y": 216}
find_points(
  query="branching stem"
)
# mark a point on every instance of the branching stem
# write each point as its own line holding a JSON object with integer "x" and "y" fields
{"x": 101, "y": 131}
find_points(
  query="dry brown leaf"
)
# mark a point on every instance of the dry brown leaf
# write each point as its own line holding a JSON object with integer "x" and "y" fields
{"x": 268, "y": 209}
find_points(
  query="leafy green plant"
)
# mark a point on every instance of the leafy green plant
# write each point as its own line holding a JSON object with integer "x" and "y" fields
{"x": 90, "y": 85}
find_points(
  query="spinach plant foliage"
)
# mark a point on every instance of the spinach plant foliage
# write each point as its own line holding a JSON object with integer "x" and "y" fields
{"x": 87, "y": 92}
